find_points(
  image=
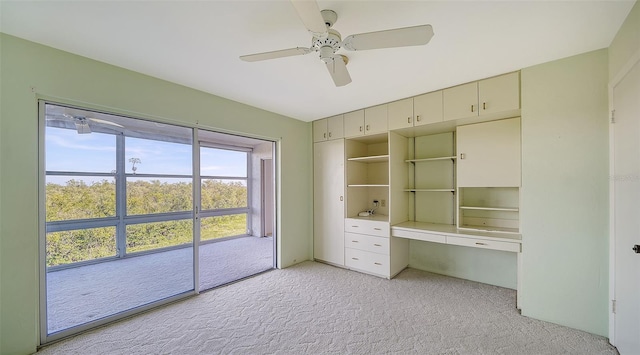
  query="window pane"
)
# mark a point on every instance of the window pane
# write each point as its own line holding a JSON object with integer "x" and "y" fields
{"x": 219, "y": 194}
{"x": 147, "y": 196}
{"x": 80, "y": 245}
{"x": 222, "y": 162}
{"x": 149, "y": 236}
{"x": 79, "y": 197}
{"x": 66, "y": 150}
{"x": 146, "y": 156}
{"x": 223, "y": 226}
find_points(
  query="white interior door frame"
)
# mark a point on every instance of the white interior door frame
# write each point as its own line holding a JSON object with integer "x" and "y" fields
{"x": 635, "y": 58}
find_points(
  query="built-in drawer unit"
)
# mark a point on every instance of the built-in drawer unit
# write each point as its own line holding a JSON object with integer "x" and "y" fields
{"x": 367, "y": 261}
{"x": 363, "y": 226}
{"x": 370, "y": 243}
{"x": 485, "y": 244}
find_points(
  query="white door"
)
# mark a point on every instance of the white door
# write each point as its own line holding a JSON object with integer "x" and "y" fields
{"x": 626, "y": 205}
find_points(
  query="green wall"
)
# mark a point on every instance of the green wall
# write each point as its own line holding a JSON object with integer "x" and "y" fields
{"x": 565, "y": 198}
{"x": 30, "y": 71}
{"x": 626, "y": 43}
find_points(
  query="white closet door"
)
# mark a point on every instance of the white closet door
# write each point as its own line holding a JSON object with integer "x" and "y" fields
{"x": 328, "y": 201}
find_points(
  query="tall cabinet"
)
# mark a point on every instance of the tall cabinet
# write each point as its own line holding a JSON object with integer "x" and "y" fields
{"x": 329, "y": 201}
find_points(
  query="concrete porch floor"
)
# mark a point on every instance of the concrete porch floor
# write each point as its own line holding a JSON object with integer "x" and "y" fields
{"x": 86, "y": 293}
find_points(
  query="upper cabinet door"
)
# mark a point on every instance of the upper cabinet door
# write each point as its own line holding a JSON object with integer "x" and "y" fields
{"x": 335, "y": 127}
{"x": 375, "y": 119}
{"x": 427, "y": 108}
{"x": 354, "y": 124}
{"x": 401, "y": 114}
{"x": 501, "y": 93}
{"x": 489, "y": 154}
{"x": 461, "y": 101}
{"x": 320, "y": 130}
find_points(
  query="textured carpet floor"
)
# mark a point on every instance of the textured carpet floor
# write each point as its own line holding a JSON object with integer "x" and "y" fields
{"x": 312, "y": 308}
{"x": 82, "y": 294}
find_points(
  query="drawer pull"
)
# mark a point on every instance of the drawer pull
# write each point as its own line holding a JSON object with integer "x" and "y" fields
{"x": 354, "y": 226}
{"x": 377, "y": 245}
{"x": 355, "y": 241}
{"x": 355, "y": 258}
{"x": 378, "y": 229}
{"x": 478, "y": 243}
{"x": 377, "y": 263}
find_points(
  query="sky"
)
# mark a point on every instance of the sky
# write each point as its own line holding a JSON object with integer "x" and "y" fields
{"x": 66, "y": 150}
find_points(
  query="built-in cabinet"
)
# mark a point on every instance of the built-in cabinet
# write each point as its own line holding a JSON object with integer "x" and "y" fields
{"x": 488, "y": 96}
{"x": 328, "y": 128}
{"x": 370, "y": 121}
{"x": 329, "y": 201}
{"x": 454, "y": 184}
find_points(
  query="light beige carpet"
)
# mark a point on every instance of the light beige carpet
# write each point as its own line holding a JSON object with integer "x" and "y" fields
{"x": 312, "y": 308}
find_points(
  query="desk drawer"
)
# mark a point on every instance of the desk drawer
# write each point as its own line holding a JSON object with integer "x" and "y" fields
{"x": 360, "y": 226}
{"x": 484, "y": 244}
{"x": 378, "y": 245}
{"x": 419, "y": 235}
{"x": 367, "y": 261}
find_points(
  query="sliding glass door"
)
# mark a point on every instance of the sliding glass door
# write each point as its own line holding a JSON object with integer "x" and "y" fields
{"x": 129, "y": 206}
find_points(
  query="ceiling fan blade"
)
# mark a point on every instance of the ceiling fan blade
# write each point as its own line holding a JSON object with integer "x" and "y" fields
{"x": 400, "y": 37}
{"x": 338, "y": 71}
{"x": 97, "y": 120}
{"x": 275, "y": 54}
{"x": 309, "y": 13}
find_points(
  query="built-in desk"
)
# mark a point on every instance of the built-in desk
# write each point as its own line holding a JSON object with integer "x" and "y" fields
{"x": 449, "y": 234}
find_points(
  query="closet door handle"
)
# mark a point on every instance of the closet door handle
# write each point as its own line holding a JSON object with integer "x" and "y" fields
{"x": 484, "y": 105}
{"x": 324, "y": 135}
{"x": 329, "y": 134}
{"x": 472, "y": 108}
{"x": 408, "y": 119}
{"x": 461, "y": 156}
{"x": 367, "y": 127}
{"x": 360, "y": 128}
{"x": 418, "y": 118}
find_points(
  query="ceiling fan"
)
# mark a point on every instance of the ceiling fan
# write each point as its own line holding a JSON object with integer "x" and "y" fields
{"x": 81, "y": 122}
{"x": 327, "y": 41}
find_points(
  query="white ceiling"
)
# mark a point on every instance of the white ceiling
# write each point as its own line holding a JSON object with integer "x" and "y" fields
{"x": 197, "y": 44}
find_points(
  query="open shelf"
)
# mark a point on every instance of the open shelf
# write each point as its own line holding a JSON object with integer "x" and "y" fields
{"x": 430, "y": 159}
{"x": 490, "y": 229}
{"x": 371, "y": 159}
{"x": 429, "y": 190}
{"x": 507, "y": 209}
{"x": 368, "y": 185}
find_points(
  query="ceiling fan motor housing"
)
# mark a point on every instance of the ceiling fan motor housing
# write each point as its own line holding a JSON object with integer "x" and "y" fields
{"x": 327, "y": 46}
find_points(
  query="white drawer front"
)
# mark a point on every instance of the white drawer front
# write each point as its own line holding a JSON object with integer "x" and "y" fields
{"x": 426, "y": 236}
{"x": 377, "y": 228}
{"x": 366, "y": 261}
{"x": 378, "y": 245}
{"x": 485, "y": 244}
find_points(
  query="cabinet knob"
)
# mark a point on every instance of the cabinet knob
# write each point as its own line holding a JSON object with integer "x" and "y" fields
{"x": 418, "y": 118}
{"x": 324, "y": 135}
{"x": 367, "y": 127}
{"x": 408, "y": 119}
{"x": 461, "y": 156}
{"x": 472, "y": 108}
{"x": 329, "y": 134}
{"x": 360, "y": 128}
{"x": 484, "y": 105}
{"x": 341, "y": 198}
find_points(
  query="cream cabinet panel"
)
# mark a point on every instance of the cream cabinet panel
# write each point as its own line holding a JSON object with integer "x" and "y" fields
{"x": 328, "y": 201}
{"x": 354, "y": 124}
{"x": 320, "y": 130}
{"x": 401, "y": 114}
{"x": 427, "y": 108}
{"x": 375, "y": 119}
{"x": 498, "y": 94}
{"x": 489, "y": 154}
{"x": 461, "y": 101}
{"x": 335, "y": 127}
